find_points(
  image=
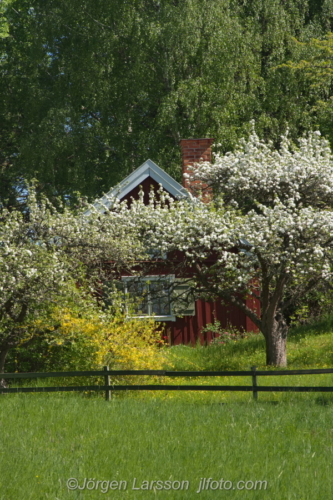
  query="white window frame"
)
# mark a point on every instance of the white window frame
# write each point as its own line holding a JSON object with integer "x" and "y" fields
{"x": 170, "y": 278}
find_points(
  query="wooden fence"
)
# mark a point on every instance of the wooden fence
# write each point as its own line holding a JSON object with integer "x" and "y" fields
{"x": 108, "y": 386}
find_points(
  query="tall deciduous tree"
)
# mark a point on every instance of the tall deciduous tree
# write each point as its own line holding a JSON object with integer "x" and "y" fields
{"x": 311, "y": 65}
{"x": 90, "y": 90}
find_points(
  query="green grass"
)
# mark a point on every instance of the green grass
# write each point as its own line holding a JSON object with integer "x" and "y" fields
{"x": 308, "y": 346}
{"x": 46, "y": 439}
{"x": 284, "y": 438}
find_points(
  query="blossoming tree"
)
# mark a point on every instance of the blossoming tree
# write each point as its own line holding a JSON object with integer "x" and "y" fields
{"x": 43, "y": 255}
{"x": 277, "y": 212}
{"x": 268, "y": 229}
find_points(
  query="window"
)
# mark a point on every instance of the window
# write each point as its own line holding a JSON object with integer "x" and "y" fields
{"x": 150, "y": 296}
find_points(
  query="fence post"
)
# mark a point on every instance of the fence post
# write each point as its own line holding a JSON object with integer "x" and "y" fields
{"x": 107, "y": 382}
{"x": 254, "y": 382}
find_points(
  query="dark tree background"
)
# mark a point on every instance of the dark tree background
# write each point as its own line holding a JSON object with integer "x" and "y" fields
{"x": 90, "y": 90}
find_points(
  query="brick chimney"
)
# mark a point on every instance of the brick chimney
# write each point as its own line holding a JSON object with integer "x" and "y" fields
{"x": 195, "y": 151}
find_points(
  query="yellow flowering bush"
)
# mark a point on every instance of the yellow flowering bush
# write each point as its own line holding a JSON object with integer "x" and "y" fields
{"x": 81, "y": 333}
{"x": 99, "y": 339}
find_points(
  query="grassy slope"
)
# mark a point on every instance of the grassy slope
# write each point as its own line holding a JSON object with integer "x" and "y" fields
{"x": 47, "y": 438}
{"x": 308, "y": 347}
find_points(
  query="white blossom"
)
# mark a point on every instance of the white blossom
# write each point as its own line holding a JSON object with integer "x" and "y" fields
{"x": 270, "y": 223}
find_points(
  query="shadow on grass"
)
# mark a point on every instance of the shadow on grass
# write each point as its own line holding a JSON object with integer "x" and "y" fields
{"x": 324, "y": 400}
{"x": 325, "y": 325}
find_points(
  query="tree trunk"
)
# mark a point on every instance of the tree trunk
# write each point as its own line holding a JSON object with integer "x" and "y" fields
{"x": 275, "y": 331}
{"x": 3, "y": 355}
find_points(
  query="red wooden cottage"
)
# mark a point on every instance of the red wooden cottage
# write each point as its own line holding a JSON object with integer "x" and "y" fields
{"x": 183, "y": 324}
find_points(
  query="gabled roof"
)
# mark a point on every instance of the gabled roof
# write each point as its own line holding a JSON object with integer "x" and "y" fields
{"x": 147, "y": 169}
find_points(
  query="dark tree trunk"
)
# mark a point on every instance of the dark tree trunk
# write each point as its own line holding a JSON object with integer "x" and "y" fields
{"x": 275, "y": 330}
{"x": 3, "y": 355}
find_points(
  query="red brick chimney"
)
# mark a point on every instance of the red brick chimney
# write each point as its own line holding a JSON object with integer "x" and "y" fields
{"x": 195, "y": 151}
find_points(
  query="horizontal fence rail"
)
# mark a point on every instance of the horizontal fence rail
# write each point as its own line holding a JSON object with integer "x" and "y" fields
{"x": 108, "y": 387}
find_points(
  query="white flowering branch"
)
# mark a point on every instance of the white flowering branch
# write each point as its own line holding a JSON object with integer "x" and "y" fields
{"x": 270, "y": 222}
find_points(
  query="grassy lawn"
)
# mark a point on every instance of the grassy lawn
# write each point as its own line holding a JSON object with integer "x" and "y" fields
{"x": 46, "y": 439}
{"x": 284, "y": 439}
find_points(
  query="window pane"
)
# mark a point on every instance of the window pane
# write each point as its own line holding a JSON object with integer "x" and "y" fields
{"x": 159, "y": 298}
{"x": 138, "y": 293}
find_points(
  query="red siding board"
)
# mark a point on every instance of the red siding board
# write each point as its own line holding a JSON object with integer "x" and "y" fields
{"x": 187, "y": 330}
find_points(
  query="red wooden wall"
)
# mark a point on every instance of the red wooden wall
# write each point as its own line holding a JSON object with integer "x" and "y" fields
{"x": 187, "y": 330}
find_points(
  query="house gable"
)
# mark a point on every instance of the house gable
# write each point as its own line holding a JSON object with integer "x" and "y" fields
{"x": 147, "y": 175}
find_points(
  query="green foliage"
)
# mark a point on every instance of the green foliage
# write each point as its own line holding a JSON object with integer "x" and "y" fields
{"x": 308, "y": 75}
{"x": 313, "y": 306}
{"x": 91, "y": 89}
{"x": 222, "y": 335}
{"x": 4, "y": 27}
